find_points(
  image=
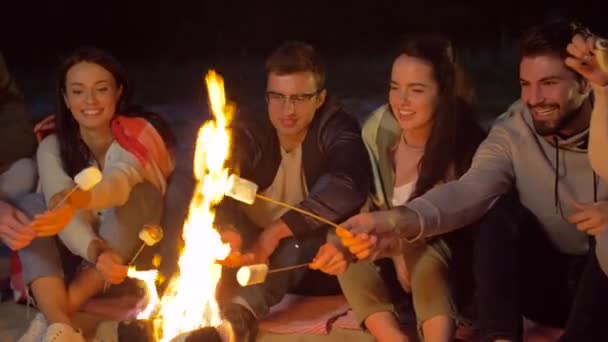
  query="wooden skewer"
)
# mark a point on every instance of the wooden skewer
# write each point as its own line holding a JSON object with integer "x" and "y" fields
{"x": 287, "y": 268}
{"x": 302, "y": 211}
{"x": 64, "y": 198}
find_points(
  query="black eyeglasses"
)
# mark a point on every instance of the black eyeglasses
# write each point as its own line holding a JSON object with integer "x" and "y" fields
{"x": 275, "y": 98}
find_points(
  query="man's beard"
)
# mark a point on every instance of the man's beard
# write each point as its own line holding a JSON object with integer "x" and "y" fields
{"x": 553, "y": 127}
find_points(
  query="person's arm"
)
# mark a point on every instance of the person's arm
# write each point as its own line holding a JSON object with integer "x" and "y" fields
{"x": 17, "y": 139}
{"x": 53, "y": 178}
{"x": 598, "y": 132}
{"x": 122, "y": 173}
{"x": 459, "y": 203}
{"x": 77, "y": 233}
{"x": 442, "y": 209}
{"x": 344, "y": 188}
{"x": 591, "y": 62}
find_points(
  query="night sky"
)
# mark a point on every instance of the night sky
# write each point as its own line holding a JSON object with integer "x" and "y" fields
{"x": 38, "y": 33}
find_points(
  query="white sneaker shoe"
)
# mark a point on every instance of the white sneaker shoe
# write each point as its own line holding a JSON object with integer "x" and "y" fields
{"x": 36, "y": 329}
{"x": 61, "y": 332}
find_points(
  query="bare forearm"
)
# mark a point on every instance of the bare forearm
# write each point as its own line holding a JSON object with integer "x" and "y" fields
{"x": 598, "y": 133}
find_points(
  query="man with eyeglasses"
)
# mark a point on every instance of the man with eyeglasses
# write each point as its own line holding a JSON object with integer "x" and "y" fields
{"x": 307, "y": 152}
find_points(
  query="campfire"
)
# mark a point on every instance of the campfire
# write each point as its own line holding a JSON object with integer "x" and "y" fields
{"x": 188, "y": 310}
{"x": 189, "y": 303}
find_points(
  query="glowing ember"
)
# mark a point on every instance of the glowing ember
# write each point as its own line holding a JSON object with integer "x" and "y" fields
{"x": 189, "y": 301}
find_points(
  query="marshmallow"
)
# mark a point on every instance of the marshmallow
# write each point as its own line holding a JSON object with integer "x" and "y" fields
{"x": 252, "y": 274}
{"x": 88, "y": 178}
{"x": 241, "y": 189}
{"x": 151, "y": 234}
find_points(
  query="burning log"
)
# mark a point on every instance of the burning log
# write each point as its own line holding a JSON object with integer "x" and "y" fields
{"x": 136, "y": 331}
{"x": 207, "y": 334}
{"x": 143, "y": 331}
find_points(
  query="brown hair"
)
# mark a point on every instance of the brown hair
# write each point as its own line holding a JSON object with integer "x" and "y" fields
{"x": 75, "y": 155}
{"x": 293, "y": 57}
{"x": 455, "y": 134}
{"x": 549, "y": 38}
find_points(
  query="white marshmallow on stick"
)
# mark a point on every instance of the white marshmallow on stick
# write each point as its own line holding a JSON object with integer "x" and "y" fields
{"x": 252, "y": 274}
{"x": 241, "y": 189}
{"x": 88, "y": 178}
{"x": 150, "y": 234}
{"x": 245, "y": 191}
{"x": 85, "y": 180}
{"x": 256, "y": 274}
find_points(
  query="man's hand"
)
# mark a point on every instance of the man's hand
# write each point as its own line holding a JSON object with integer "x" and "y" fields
{"x": 399, "y": 220}
{"x": 363, "y": 245}
{"x": 15, "y": 231}
{"x": 52, "y": 222}
{"x": 267, "y": 242}
{"x": 591, "y": 218}
{"x": 587, "y": 60}
{"x": 263, "y": 248}
{"x": 368, "y": 234}
{"x": 111, "y": 266}
{"x": 235, "y": 258}
{"x": 330, "y": 259}
{"x": 233, "y": 238}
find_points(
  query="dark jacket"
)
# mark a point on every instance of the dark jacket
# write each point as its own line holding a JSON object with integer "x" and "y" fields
{"x": 17, "y": 138}
{"x": 335, "y": 162}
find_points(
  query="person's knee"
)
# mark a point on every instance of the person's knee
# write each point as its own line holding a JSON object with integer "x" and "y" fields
{"x": 145, "y": 203}
{"x": 41, "y": 259}
{"x": 429, "y": 281}
{"x": 19, "y": 179}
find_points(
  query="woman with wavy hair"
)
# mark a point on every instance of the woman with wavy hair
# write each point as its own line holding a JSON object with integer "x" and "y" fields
{"x": 424, "y": 136}
{"x": 98, "y": 229}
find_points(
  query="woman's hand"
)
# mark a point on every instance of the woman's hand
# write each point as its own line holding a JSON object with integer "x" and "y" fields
{"x": 77, "y": 198}
{"x": 111, "y": 266}
{"x": 53, "y": 221}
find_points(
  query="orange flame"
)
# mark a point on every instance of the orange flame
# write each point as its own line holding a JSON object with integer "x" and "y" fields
{"x": 149, "y": 278}
{"x": 189, "y": 301}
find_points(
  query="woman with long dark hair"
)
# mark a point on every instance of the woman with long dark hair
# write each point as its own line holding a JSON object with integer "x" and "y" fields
{"x": 424, "y": 136}
{"x": 95, "y": 126}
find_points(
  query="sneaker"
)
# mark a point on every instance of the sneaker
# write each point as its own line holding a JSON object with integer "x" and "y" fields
{"x": 36, "y": 329}
{"x": 243, "y": 322}
{"x": 61, "y": 332}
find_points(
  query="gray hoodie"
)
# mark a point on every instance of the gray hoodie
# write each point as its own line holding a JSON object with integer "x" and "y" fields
{"x": 515, "y": 157}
